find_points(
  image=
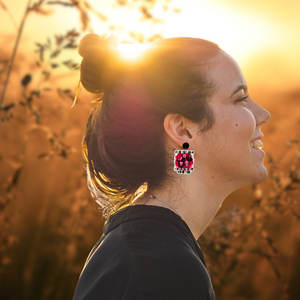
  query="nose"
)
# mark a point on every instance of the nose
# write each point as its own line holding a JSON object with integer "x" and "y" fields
{"x": 262, "y": 116}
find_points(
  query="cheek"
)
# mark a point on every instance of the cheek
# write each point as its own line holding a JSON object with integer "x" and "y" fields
{"x": 242, "y": 126}
{"x": 232, "y": 131}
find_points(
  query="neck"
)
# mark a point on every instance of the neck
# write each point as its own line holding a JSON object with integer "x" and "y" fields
{"x": 197, "y": 207}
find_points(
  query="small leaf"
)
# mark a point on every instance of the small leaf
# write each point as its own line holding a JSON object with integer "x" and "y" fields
{"x": 70, "y": 45}
{"x": 42, "y": 11}
{"x": 53, "y": 66}
{"x": 67, "y": 63}
{"x": 73, "y": 33}
{"x": 59, "y": 39}
{"x": 70, "y": 65}
{"x": 145, "y": 12}
{"x": 43, "y": 155}
{"x": 42, "y": 55}
{"x": 7, "y": 107}
{"x": 47, "y": 74}
{"x": 39, "y": 45}
{"x": 63, "y": 153}
{"x": 26, "y": 80}
{"x": 55, "y": 53}
{"x": 36, "y": 92}
{"x": 16, "y": 176}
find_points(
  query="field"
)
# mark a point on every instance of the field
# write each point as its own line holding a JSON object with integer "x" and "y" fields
{"x": 49, "y": 222}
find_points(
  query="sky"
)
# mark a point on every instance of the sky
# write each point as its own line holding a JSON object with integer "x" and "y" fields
{"x": 263, "y": 36}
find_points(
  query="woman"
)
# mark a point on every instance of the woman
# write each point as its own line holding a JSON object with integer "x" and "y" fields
{"x": 186, "y": 163}
{"x": 181, "y": 90}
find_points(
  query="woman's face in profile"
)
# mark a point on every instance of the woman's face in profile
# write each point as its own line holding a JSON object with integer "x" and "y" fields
{"x": 226, "y": 150}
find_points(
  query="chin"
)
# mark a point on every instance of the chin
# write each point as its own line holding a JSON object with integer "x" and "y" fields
{"x": 257, "y": 176}
{"x": 261, "y": 175}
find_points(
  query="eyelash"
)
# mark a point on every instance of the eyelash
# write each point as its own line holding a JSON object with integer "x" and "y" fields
{"x": 243, "y": 99}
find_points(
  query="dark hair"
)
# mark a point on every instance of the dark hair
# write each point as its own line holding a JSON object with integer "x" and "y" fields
{"x": 124, "y": 141}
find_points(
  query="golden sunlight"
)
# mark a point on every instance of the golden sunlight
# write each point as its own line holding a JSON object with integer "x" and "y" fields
{"x": 253, "y": 35}
{"x": 239, "y": 34}
{"x": 236, "y": 33}
{"x": 131, "y": 51}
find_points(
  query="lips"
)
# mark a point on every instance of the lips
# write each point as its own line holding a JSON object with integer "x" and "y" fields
{"x": 258, "y": 144}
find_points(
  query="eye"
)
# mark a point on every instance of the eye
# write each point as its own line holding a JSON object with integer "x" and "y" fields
{"x": 243, "y": 99}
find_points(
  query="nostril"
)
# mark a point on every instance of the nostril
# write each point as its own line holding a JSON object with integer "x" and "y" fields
{"x": 263, "y": 117}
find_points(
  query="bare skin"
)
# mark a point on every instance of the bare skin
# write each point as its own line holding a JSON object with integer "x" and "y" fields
{"x": 224, "y": 158}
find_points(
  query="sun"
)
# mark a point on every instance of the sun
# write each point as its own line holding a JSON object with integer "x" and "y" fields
{"x": 131, "y": 51}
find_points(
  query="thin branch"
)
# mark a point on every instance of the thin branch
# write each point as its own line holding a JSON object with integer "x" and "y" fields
{"x": 14, "y": 54}
{"x": 10, "y": 15}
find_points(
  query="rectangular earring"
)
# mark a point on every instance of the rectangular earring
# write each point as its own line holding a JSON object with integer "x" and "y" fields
{"x": 184, "y": 160}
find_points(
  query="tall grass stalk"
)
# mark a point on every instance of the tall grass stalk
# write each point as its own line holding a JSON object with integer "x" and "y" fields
{"x": 14, "y": 53}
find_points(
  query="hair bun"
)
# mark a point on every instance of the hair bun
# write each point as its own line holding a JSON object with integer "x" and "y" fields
{"x": 96, "y": 69}
{"x": 92, "y": 43}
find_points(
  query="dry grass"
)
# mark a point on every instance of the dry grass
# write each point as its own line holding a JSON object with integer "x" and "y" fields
{"x": 47, "y": 217}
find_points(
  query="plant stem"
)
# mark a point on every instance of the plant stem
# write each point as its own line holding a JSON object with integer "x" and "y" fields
{"x": 14, "y": 54}
{"x": 10, "y": 15}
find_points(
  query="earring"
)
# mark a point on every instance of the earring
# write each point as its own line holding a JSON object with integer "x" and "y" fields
{"x": 184, "y": 160}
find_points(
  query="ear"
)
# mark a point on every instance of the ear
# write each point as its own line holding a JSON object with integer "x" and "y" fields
{"x": 178, "y": 129}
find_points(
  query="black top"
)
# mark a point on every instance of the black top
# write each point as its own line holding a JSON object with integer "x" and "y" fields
{"x": 147, "y": 253}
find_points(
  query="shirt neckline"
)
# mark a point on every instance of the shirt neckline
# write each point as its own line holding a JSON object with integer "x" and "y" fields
{"x": 141, "y": 211}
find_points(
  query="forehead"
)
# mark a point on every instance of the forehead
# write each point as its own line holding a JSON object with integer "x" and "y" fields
{"x": 227, "y": 75}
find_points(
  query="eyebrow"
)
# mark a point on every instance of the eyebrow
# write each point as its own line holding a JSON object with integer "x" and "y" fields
{"x": 240, "y": 87}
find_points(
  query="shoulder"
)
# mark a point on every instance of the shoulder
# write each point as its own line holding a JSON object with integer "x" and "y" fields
{"x": 164, "y": 263}
{"x": 139, "y": 261}
{"x": 108, "y": 274}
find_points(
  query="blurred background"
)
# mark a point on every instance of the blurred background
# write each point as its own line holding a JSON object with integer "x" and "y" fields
{"x": 48, "y": 220}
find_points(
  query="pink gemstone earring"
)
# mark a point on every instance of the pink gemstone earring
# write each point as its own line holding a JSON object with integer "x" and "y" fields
{"x": 184, "y": 160}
